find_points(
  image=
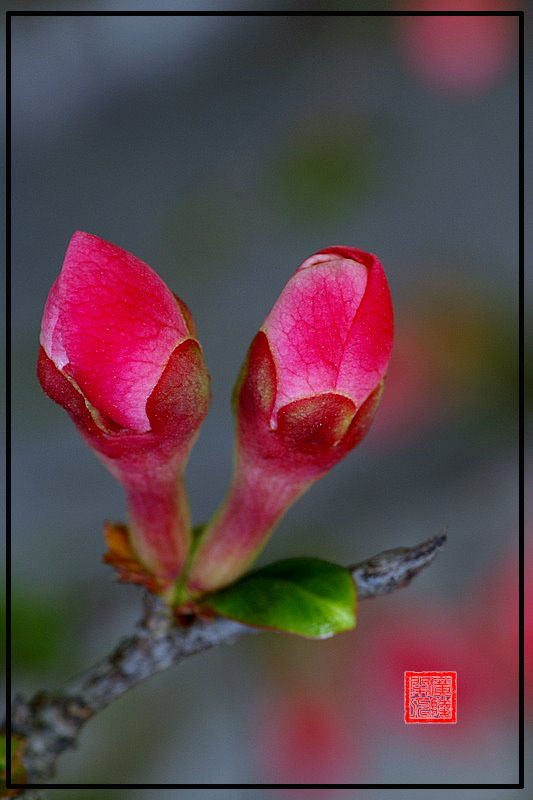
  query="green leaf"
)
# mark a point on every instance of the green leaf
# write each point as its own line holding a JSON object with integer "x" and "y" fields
{"x": 305, "y": 596}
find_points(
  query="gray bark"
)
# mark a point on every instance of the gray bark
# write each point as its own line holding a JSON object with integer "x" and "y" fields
{"x": 51, "y": 721}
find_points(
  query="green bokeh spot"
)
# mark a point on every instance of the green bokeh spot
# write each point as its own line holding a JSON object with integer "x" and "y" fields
{"x": 323, "y": 171}
{"x": 40, "y": 628}
{"x": 18, "y": 773}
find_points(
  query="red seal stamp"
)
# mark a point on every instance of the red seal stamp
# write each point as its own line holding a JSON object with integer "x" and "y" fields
{"x": 430, "y": 697}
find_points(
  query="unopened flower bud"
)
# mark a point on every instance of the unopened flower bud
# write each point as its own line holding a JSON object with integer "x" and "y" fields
{"x": 306, "y": 395}
{"x": 120, "y": 354}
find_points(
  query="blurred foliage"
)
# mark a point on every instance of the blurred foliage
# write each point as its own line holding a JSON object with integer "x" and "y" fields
{"x": 42, "y": 624}
{"x": 206, "y": 228}
{"x": 473, "y": 337}
{"x": 18, "y": 773}
{"x": 485, "y": 336}
{"x": 373, "y": 22}
{"x": 88, "y": 794}
{"x": 528, "y": 364}
{"x": 454, "y": 363}
{"x": 324, "y": 167}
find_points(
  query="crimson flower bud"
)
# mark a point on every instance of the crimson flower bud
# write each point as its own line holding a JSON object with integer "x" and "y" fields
{"x": 306, "y": 395}
{"x": 119, "y": 353}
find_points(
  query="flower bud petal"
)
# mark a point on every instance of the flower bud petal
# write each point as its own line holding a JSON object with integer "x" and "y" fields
{"x": 331, "y": 328}
{"x": 368, "y": 344}
{"x": 111, "y": 324}
{"x": 309, "y": 324}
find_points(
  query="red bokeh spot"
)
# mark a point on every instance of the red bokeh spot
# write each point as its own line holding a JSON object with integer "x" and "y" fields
{"x": 459, "y": 55}
{"x": 305, "y": 740}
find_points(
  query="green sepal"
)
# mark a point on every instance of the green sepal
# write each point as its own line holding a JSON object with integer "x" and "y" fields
{"x": 180, "y": 594}
{"x": 304, "y": 596}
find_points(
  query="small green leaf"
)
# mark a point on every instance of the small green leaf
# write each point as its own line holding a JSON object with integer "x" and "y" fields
{"x": 305, "y": 596}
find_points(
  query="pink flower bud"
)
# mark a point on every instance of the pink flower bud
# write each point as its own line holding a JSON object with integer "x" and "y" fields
{"x": 305, "y": 397}
{"x": 119, "y": 353}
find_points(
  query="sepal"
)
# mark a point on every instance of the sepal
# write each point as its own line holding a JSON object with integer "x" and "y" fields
{"x": 121, "y": 556}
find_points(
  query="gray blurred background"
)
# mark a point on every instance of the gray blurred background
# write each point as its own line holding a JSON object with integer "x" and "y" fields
{"x": 224, "y": 151}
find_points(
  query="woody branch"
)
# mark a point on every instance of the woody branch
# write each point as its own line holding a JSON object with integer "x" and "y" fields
{"x": 51, "y": 722}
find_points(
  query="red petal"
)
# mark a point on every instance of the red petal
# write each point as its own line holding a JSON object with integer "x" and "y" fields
{"x": 368, "y": 344}
{"x": 116, "y": 322}
{"x": 308, "y": 327}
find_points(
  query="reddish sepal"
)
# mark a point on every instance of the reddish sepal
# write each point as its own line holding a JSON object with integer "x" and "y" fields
{"x": 121, "y": 557}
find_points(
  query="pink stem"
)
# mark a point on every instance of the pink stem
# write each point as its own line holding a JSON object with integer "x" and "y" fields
{"x": 257, "y": 500}
{"x": 159, "y": 515}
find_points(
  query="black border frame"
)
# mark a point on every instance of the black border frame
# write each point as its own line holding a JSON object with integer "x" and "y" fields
{"x": 26, "y": 13}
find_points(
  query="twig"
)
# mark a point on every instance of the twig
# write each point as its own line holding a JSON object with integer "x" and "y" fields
{"x": 51, "y": 722}
{"x": 394, "y": 569}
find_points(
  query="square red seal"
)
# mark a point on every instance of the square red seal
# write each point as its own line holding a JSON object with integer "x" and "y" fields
{"x": 430, "y": 697}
